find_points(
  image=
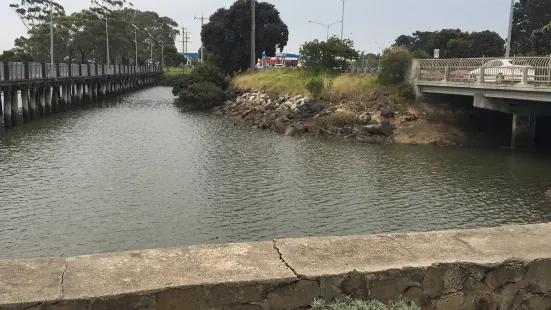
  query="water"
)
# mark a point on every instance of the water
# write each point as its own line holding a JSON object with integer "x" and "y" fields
{"x": 141, "y": 172}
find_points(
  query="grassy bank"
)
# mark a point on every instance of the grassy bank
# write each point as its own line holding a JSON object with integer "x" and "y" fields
{"x": 177, "y": 71}
{"x": 293, "y": 82}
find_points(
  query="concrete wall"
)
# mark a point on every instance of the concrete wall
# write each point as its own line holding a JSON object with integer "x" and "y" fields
{"x": 495, "y": 268}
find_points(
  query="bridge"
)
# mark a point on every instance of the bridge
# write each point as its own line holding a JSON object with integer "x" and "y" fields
{"x": 52, "y": 88}
{"x": 520, "y": 86}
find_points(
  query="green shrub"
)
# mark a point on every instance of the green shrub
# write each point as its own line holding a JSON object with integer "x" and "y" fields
{"x": 351, "y": 304}
{"x": 315, "y": 86}
{"x": 394, "y": 65}
{"x": 338, "y": 119}
{"x": 420, "y": 55}
{"x": 406, "y": 91}
{"x": 202, "y": 95}
{"x": 202, "y": 88}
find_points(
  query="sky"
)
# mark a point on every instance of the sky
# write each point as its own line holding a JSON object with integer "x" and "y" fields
{"x": 370, "y": 23}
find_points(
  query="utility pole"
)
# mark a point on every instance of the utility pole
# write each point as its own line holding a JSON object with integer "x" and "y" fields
{"x": 107, "y": 36}
{"x": 52, "y": 33}
{"x": 509, "y": 34}
{"x": 136, "y": 40}
{"x": 253, "y": 35}
{"x": 184, "y": 40}
{"x": 342, "y": 18}
{"x": 151, "y": 46}
{"x": 202, "y": 18}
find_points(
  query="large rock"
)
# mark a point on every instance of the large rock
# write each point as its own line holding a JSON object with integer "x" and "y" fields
{"x": 387, "y": 112}
{"x": 537, "y": 279}
{"x": 300, "y": 294}
{"x": 364, "y": 119}
{"x": 450, "y": 302}
{"x": 415, "y": 295}
{"x": 290, "y": 131}
{"x": 387, "y": 290}
{"x": 355, "y": 286}
{"x": 386, "y": 129}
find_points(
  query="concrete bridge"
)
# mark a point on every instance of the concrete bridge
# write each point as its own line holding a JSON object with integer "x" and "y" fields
{"x": 520, "y": 86}
{"x": 46, "y": 89}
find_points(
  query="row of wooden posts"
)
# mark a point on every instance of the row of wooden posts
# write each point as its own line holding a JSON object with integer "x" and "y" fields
{"x": 41, "y": 99}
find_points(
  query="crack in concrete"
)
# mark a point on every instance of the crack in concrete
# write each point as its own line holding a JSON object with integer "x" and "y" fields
{"x": 465, "y": 243}
{"x": 61, "y": 284}
{"x": 284, "y": 261}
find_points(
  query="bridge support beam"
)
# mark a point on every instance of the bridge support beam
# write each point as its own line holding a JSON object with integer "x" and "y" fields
{"x": 42, "y": 101}
{"x": 55, "y": 98}
{"x": 523, "y": 131}
{"x": 25, "y": 103}
{"x": 14, "y": 106}
{"x": 32, "y": 103}
{"x": 69, "y": 96}
{"x": 7, "y": 109}
{"x": 51, "y": 106}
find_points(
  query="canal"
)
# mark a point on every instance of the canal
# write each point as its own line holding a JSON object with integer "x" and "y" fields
{"x": 142, "y": 172}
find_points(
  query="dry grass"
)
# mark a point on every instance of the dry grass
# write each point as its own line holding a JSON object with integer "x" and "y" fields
{"x": 293, "y": 82}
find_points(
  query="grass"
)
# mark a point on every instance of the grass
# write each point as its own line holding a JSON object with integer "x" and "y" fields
{"x": 293, "y": 82}
{"x": 177, "y": 71}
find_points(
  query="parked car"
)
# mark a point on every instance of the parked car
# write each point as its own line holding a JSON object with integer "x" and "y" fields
{"x": 502, "y": 70}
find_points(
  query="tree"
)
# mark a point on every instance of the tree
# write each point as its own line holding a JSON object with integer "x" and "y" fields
{"x": 529, "y": 16}
{"x": 228, "y": 33}
{"x": 454, "y": 43}
{"x": 334, "y": 55}
{"x": 394, "y": 65}
{"x": 173, "y": 58}
{"x": 202, "y": 88}
{"x": 541, "y": 40}
{"x": 15, "y": 56}
{"x": 36, "y": 12}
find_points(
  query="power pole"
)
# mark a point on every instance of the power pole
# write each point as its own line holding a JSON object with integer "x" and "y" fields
{"x": 202, "y": 18}
{"x": 510, "y": 30}
{"x": 183, "y": 40}
{"x": 253, "y": 34}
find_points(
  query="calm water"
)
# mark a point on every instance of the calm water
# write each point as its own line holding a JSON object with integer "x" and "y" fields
{"x": 141, "y": 172}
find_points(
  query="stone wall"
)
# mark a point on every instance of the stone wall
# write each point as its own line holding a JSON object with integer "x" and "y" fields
{"x": 494, "y": 268}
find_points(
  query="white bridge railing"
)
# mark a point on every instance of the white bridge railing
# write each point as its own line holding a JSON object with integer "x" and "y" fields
{"x": 17, "y": 71}
{"x": 527, "y": 70}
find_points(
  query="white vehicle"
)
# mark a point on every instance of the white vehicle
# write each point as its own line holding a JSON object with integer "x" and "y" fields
{"x": 501, "y": 70}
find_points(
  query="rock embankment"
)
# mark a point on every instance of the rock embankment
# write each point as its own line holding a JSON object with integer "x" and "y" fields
{"x": 376, "y": 121}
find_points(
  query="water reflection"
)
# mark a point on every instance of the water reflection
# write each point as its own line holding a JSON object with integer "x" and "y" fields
{"x": 142, "y": 172}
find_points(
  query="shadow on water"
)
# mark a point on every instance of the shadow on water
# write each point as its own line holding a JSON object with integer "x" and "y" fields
{"x": 144, "y": 172}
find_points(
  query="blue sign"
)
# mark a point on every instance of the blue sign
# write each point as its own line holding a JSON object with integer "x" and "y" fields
{"x": 308, "y": 55}
{"x": 264, "y": 54}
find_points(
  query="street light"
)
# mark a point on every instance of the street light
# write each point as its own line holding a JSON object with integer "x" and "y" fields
{"x": 326, "y": 26}
{"x": 151, "y": 46}
{"x": 380, "y": 57}
{"x": 52, "y": 33}
{"x": 509, "y": 33}
{"x": 136, "y": 40}
{"x": 342, "y": 18}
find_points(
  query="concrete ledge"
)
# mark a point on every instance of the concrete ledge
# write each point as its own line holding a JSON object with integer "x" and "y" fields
{"x": 509, "y": 267}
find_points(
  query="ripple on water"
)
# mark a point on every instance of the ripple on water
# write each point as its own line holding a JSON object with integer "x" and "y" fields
{"x": 140, "y": 172}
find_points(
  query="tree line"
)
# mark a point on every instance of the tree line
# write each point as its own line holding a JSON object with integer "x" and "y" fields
{"x": 531, "y": 36}
{"x": 81, "y": 36}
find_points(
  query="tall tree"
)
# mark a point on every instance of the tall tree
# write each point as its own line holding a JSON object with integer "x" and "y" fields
{"x": 331, "y": 55}
{"x": 228, "y": 32}
{"x": 36, "y": 12}
{"x": 529, "y": 16}
{"x": 541, "y": 40}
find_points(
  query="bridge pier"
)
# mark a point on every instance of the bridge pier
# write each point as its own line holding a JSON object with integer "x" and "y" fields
{"x": 69, "y": 96}
{"x": 50, "y": 110}
{"x": 32, "y": 103}
{"x": 7, "y": 109}
{"x": 78, "y": 93}
{"x": 25, "y": 103}
{"x": 55, "y": 99}
{"x": 523, "y": 131}
{"x": 14, "y": 106}
{"x": 42, "y": 100}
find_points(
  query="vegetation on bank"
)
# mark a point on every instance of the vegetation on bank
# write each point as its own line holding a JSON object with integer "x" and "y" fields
{"x": 202, "y": 88}
{"x": 351, "y": 304}
{"x": 331, "y": 86}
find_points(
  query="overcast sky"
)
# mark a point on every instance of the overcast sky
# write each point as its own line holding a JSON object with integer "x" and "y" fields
{"x": 365, "y": 21}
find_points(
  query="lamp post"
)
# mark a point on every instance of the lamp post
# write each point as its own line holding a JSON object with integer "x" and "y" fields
{"x": 380, "y": 57}
{"x": 510, "y": 32}
{"x": 52, "y": 33}
{"x": 253, "y": 34}
{"x": 151, "y": 47}
{"x": 327, "y": 26}
{"x": 136, "y": 40}
{"x": 342, "y": 18}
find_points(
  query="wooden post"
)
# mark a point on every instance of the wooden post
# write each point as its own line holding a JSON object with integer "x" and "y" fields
{"x": 50, "y": 107}
{"x": 55, "y": 98}
{"x": 14, "y": 107}
{"x": 32, "y": 103}
{"x": 42, "y": 100}
{"x": 25, "y": 100}
{"x": 7, "y": 108}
